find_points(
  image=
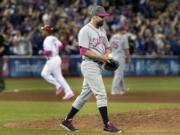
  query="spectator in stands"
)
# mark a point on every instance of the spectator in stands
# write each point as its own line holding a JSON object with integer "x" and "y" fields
{"x": 37, "y": 41}
{"x": 156, "y": 16}
{"x": 21, "y": 43}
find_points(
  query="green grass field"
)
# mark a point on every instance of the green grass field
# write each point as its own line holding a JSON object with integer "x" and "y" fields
{"x": 134, "y": 83}
{"x": 11, "y": 111}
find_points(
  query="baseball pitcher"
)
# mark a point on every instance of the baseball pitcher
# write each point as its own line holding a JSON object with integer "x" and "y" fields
{"x": 94, "y": 48}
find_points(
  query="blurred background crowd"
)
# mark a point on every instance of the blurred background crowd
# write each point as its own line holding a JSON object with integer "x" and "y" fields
{"x": 154, "y": 24}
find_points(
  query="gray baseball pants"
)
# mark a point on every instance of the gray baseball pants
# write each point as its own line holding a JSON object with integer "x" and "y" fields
{"x": 118, "y": 80}
{"x": 92, "y": 84}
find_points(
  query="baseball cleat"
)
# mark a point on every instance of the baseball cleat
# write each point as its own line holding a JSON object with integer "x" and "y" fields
{"x": 120, "y": 92}
{"x": 68, "y": 96}
{"x": 58, "y": 91}
{"x": 110, "y": 128}
{"x": 124, "y": 91}
{"x": 115, "y": 93}
{"x": 67, "y": 125}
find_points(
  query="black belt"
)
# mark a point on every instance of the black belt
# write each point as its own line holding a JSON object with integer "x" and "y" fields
{"x": 96, "y": 61}
{"x": 99, "y": 62}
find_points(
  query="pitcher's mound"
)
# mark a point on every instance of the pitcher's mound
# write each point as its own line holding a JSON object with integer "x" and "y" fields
{"x": 161, "y": 120}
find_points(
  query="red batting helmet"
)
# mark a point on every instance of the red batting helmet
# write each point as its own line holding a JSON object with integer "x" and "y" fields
{"x": 47, "y": 28}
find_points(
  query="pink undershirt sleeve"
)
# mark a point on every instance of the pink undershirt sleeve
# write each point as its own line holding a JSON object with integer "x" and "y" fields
{"x": 83, "y": 50}
{"x": 46, "y": 53}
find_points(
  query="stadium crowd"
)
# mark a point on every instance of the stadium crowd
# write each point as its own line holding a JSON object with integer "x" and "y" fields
{"x": 154, "y": 24}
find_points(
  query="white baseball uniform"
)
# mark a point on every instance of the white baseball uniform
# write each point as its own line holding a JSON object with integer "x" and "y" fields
{"x": 96, "y": 40}
{"x": 52, "y": 69}
{"x": 118, "y": 44}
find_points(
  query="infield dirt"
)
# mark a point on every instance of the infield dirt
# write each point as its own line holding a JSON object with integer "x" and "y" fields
{"x": 165, "y": 120}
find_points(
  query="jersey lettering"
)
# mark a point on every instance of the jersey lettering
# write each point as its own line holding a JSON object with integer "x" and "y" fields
{"x": 97, "y": 41}
{"x": 114, "y": 45}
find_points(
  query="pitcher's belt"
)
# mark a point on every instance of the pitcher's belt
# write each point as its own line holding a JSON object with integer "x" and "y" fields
{"x": 96, "y": 61}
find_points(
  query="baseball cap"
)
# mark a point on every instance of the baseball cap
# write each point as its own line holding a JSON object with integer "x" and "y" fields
{"x": 47, "y": 28}
{"x": 97, "y": 10}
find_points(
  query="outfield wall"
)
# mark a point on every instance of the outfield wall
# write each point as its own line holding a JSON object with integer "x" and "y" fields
{"x": 31, "y": 66}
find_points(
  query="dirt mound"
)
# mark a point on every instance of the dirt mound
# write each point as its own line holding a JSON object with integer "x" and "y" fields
{"x": 161, "y": 120}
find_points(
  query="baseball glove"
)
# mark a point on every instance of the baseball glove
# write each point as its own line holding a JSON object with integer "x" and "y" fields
{"x": 111, "y": 66}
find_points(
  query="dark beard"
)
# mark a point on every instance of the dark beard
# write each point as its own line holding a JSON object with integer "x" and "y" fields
{"x": 100, "y": 23}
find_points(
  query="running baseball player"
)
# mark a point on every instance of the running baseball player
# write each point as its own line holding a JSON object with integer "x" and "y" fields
{"x": 52, "y": 69}
{"x": 120, "y": 49}
{"x": 94, "y": 48}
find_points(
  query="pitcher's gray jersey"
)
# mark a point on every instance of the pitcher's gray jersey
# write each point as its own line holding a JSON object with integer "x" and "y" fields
{"x": 119, "y": 43}
{"x": 93, "y": 39}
